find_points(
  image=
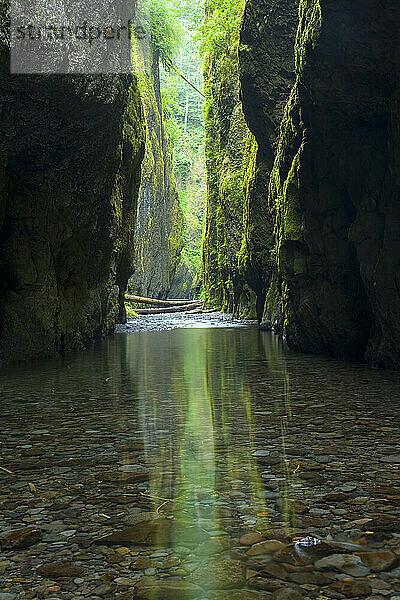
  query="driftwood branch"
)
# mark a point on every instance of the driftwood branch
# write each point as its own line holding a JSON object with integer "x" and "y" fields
{"x": 170, "y": 309}
{"x": 155, "y": 302}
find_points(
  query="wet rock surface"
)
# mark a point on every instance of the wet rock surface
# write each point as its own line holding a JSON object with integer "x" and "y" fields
{"x": 67, "y": 208}
{"x": 228, "y": 429}
{"x": 182, "y": 320}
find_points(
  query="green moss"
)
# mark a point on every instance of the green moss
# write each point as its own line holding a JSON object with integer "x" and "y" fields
{"x": 230, "y": 157}
{"x": 160, "y": 229}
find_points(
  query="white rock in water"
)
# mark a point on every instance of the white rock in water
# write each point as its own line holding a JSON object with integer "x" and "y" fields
{"x": 261, "y": 453}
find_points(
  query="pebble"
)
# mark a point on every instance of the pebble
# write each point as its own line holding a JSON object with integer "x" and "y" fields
{"x": 21, "y": 538}
{"x": 102, "y": 590}
{"x": 219, "y": 574}
{"x": 149, "y": 588}
{"x": 59, "y": 569}
{"x": 346, "y": 563}
{"x": 267, "y": 547}
{"x": 354, "y": 588}
{"x": 248, "y": 539}
{"x": 378, "y": 561}
{"x": 287, "y": 594}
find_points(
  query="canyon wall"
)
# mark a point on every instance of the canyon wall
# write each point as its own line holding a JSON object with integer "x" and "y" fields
{"x": 317, "y": 210}
{"x": 230, "y": 158}
{"x": 248, "y": 79}
{"x": 335, "y": 183}
{"x": 160, "y": 220}
{"x": 70, "y": 154}
{"x": 267, "y": 74}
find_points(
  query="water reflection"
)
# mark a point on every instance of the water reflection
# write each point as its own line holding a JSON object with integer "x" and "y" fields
{"x": 204, "y": 435}
{"x": 191, "y": 415}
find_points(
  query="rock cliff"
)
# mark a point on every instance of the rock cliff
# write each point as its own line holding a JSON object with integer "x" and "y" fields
{"x": 316, "y": 205}
{"x": 230, "y": 160}
{"x": 70, "y": 155}
{"x": 247, "y": 84}
{"x": 267, "y": 74}
{"x": 335, "y": 183}
{"x": 160, "y": 221}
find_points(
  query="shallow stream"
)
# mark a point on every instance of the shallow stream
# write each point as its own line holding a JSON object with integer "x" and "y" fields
{"x": 140, "y": 464}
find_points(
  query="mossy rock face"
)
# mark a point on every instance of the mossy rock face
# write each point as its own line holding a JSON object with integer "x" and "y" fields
{"x": 230, "y": 156}
{"x": 246, "y": 90}
{"x": 70, "y": 149}
{"x": 183, "y": 283}
{"x": 335, "y": 184}
{"x": 160, "y": 219}
{"x": 267, "y": 74}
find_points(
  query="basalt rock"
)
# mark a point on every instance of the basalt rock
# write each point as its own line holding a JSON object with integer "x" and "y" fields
{"x": 267, "y": 74}
{"x": 336, "y": 183}
{"x": 160, "y": 220}
{"x": 21, "y": 538}
{"x": 70, "y": 155}
{"x": 247, "y": 85}
{"x": 230, "y": 159}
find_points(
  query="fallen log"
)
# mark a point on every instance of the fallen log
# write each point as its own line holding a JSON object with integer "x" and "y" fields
{"x": 155, "y": 302}
{"x": 170, "y": 309}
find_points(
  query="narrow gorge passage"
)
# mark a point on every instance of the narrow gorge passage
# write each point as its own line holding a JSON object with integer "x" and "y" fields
{"x": 200, "y": 300}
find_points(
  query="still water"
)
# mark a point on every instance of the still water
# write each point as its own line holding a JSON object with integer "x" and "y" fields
{"x": 141, "y": 463}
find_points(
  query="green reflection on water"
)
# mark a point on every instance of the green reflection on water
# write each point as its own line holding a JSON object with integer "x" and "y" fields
{"x": 191, "y": 413}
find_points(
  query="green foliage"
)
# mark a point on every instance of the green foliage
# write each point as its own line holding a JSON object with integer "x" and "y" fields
{"x": 220, "y": 30}
{"x": 164, "y": 28}
{"x": 183, "y": 104}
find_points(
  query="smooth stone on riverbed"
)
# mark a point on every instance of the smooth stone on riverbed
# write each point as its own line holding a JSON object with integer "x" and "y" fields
{"x": 21, "y": 538}
{"x": 122, "y": 477}
{"x": 140, "y": 564}
{"x": 235, "y": 595}
{"x": 102, "y": 590}
{"x": 55, "y": 570}
{"x": 249, "y": 539}
{"x": 165, "y": 589}
{"x": 267, "y": 547}
{"x": 212, "y": 546}
{"x": 132, "y": 469}
{"x": 139, "y": 517}
{"x": 353, "y": 588}
{"x": 219, "y": 574}
{"x": 346, "y": 563}
{"x": 382, "y": 522}
{"x": 162, "y": 532}
{"x": 287, "y": 594}
{"x": 381, "y": 560}
{"x": 393, "y": 458}
{"x": 124, "y": 582}
{"x": 261, "y": 582}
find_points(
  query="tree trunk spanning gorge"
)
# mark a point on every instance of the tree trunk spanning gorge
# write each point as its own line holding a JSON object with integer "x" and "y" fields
{"x": 325, "y": 246}
{"x": 71, "y": 149}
